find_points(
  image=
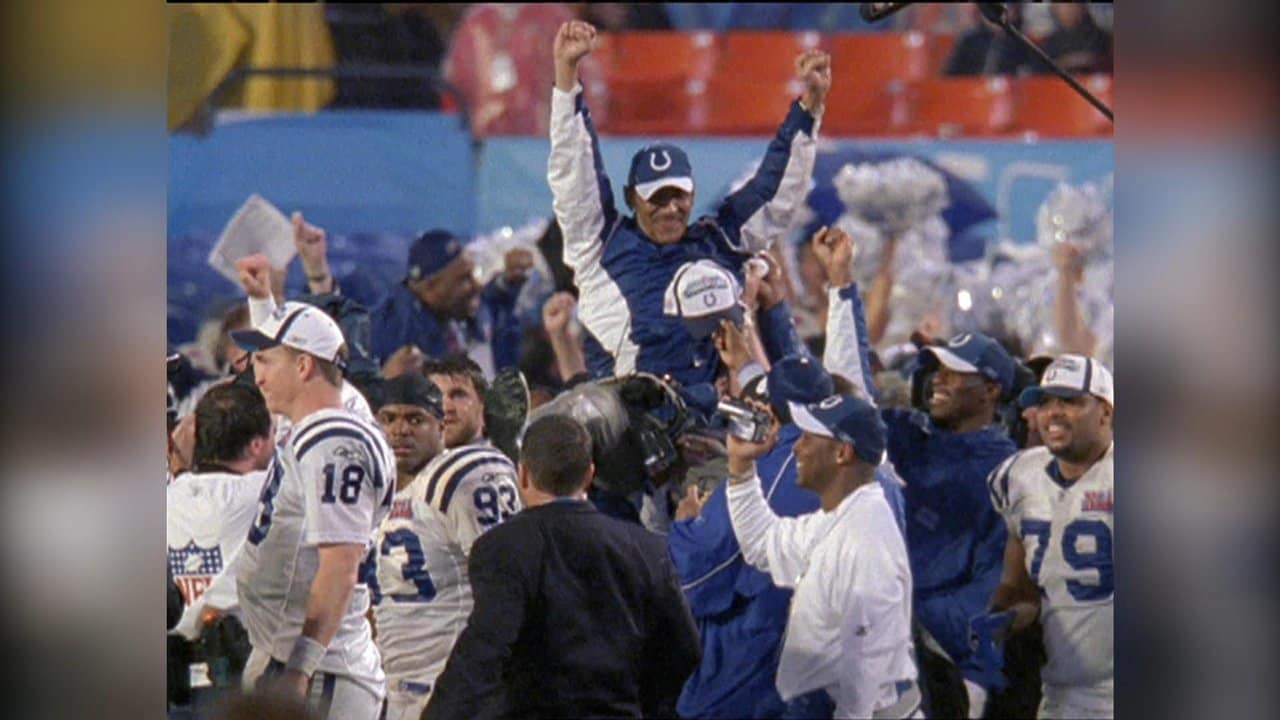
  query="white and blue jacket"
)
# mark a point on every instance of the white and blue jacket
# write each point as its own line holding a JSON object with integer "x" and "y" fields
{"x": 621, "y": 274}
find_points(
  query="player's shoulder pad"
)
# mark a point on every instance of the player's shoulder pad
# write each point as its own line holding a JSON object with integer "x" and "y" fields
{"x": 1005, "y": 475}
{"x": 461, "y": 466}
{"x": 343, "y": 436}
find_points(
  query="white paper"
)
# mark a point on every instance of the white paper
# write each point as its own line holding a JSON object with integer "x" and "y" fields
{"x": 257, "y": 227}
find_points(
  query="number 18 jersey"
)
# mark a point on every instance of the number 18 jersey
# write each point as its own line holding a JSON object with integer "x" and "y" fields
{"x": 331, "y": 481}
{"x": 422, "y": 596}
{"x": 1066, "y": 531}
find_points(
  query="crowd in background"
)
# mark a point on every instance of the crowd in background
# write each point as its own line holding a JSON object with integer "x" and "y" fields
{"x": 869, "y": 309}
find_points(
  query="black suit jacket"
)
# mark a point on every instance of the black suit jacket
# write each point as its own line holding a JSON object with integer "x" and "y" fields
{"x": 576, "y": 615}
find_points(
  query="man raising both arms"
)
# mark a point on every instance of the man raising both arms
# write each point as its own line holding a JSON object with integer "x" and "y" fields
{"x": 622, "y": 264}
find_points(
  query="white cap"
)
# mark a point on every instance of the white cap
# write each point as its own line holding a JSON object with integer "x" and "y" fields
{"x": 300, "y": 326}
{"x": 1072, "y": 376}
{"x": 703, "y": 293}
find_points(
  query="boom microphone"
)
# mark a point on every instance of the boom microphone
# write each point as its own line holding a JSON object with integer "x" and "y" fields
{"x": 872, "y": 12}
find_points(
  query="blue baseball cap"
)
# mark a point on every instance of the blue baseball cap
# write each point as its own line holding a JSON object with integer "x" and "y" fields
{"x": 846, "y": 418}
{"x": 795, "y": 379}
{"x": 659, "y": 165}
{"x": 972, "y": 353}
{"x": 432, "y": 251}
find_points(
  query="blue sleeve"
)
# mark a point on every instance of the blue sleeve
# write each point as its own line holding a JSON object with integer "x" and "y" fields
{"x": 947, "y": 613}
{"x": 705, "y": 553}
{"x": 778, "y": 333}
{"x": 760, "y": 212}
{"x": 388, "y": 328}
{"x": 499, "y": 301}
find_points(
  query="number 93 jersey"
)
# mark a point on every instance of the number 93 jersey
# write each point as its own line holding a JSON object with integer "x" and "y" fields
{"x": 331, "y": 481}
{"x": 1066, "y": 531}
{"x": 422, "y": 596}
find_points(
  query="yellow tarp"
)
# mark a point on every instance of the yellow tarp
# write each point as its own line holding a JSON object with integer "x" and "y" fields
{"x": 207, "y": 40}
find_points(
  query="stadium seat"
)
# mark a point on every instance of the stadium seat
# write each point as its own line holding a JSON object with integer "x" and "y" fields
{"x": 657, "y": 82}
{"x": 1046, "y": 106}
{"x": 953, "y": 106}
{"x": 872, "y": 73}
{"x": 749, "y": 108}
{"x": 763, "y": 57}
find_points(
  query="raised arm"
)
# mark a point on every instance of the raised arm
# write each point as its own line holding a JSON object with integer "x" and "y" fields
{"x": 582, "y": 197}
{"x": 1074, "y": 335}
{"x": 566, "y": 345}
{"x": 313, "y": 251}
{"x": 779, "y": 546}
{"x": 761, "y": 212}
{"x": 848, "y": 346}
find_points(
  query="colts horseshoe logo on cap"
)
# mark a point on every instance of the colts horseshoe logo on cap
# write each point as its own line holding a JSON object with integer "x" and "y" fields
{"x": 653, "y": 160}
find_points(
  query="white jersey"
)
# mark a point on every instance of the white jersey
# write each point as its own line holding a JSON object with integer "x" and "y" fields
{"x": 422, "y": 596}
{"x": 208, "y": 516}
{"x": 1067, "y": 534}
{"x": 330, "y": 482}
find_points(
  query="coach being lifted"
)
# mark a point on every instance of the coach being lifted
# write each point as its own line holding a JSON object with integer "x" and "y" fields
{"x": 622, "y": 264}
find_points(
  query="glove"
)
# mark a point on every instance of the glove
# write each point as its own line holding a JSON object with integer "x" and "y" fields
{"x": 986, "y": 638}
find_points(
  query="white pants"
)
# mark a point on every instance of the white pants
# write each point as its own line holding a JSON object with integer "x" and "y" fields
{"x": 331, "y": 696}
{"x": 406, "y": 706}
{"x": 1077, "y": 702}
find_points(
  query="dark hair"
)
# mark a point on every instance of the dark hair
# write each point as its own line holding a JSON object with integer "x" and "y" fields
{"x": 227, "y": 418}
{"x": 557, "y": 452}
{"x": 459, "y": 365}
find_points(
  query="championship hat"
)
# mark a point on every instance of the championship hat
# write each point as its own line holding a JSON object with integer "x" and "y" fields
{"x": 703, "y": 293}
{"x": 972, "y": 353}
{"x": 299, "y": 326}
{"x": 432, "y": 251}
{"x": 1072, "y": 376}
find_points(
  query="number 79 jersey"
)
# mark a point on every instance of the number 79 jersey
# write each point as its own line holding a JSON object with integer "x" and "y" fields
{"x": 1067, "y": 534}
{"x": 422, "y": 595}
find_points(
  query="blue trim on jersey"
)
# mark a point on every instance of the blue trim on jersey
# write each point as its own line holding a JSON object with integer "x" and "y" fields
{"x": 353, "y": 433}
{"x": 455, "y": 458}
{"x": 462, "y": 457}
{"x": 456, "y": 480}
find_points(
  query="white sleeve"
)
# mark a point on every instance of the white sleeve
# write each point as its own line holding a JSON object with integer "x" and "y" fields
{"x": 776, "y": 545}
{"x": 844, "y": 353}
{"x": 340, "y": 480}
{"x": 260, "y": 310}
{"x": 580, "y": 191}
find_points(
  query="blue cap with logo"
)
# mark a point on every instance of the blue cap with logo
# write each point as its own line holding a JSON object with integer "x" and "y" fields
{"x": 972, "y": 353}
{"x": 657, "y": 166}
{"x": 432, "y": 251}
{"x": 794, "y": 378}
{"x": 846, "y": 418}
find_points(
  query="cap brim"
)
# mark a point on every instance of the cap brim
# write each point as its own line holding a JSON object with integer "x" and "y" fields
{"x": 1036, "y": 395}
{"x": 949, "y": 359}
{"x": 806, "y": 420}
{"x": 703, "y": 327}
{"x": 646, "y": 190}
{"x": 252, "y": 340}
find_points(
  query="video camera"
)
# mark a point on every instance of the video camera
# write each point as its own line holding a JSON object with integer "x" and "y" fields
{"x": 633, "y": 421}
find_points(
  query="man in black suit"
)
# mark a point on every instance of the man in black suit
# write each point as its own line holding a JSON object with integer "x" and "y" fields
{"x": 576, "y": 614}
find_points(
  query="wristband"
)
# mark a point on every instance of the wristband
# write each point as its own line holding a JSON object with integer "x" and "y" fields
{"x": 318, "y": 278}
{"x": 306, "y": 655}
